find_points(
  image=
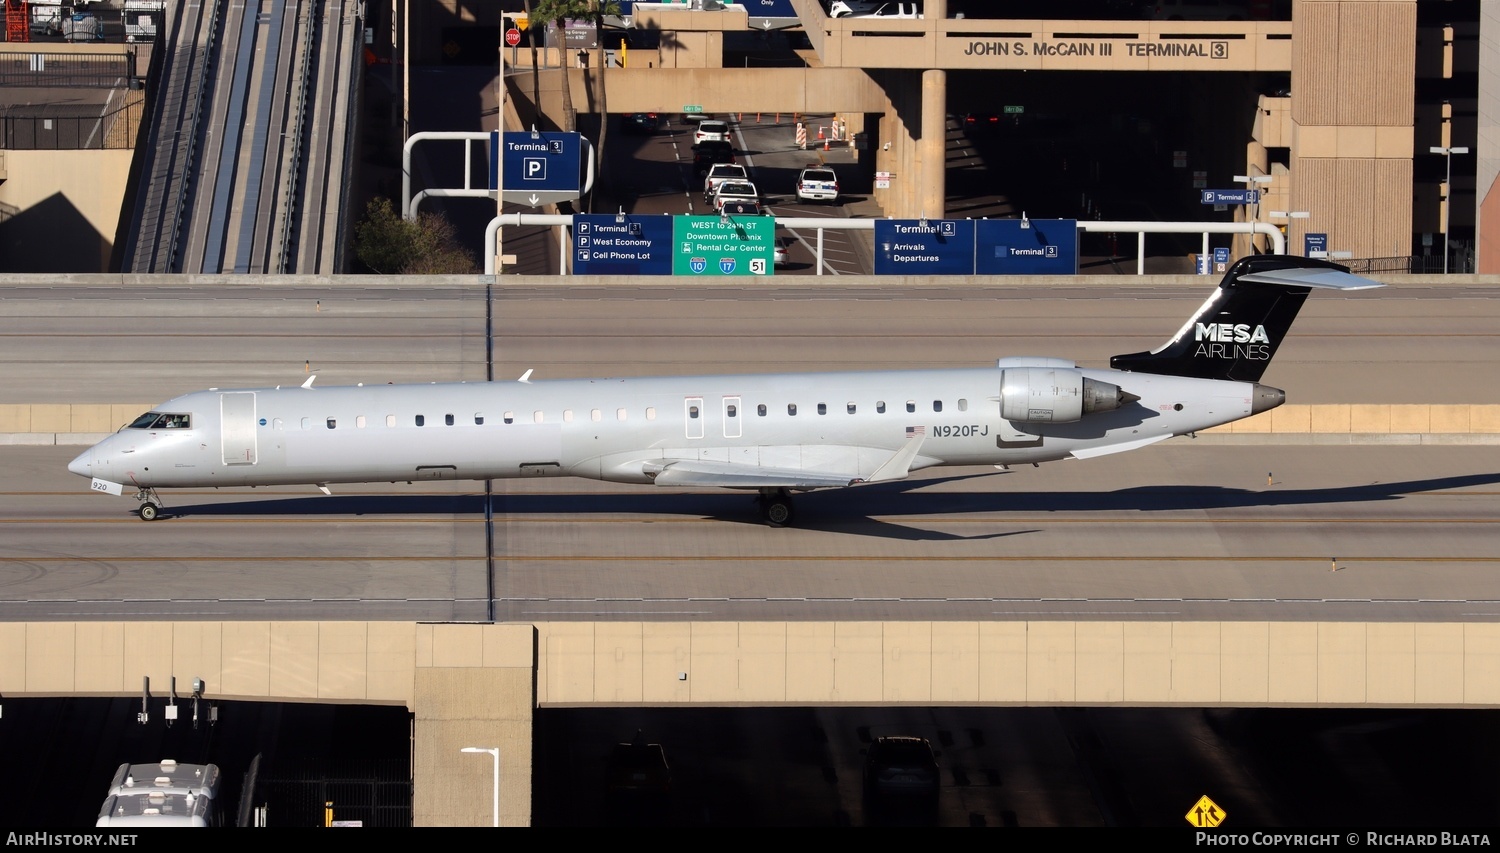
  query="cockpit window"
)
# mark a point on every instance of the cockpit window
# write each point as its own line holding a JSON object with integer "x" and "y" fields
{"x": 161, "y": 420}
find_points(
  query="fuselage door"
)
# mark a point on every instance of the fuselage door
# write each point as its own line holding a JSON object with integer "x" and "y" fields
{"x": 731, "y": 417}
{"x": 237, "y": 427}
{"x": 692, "y": 413}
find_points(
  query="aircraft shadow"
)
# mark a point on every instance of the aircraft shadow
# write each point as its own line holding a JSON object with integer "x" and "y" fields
{"x": 849, "y": 511}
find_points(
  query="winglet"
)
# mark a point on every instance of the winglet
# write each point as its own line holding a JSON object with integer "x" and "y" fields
{"x": 309, "y": 382}
{"x": 899, "y": 465}
{"x": 526, "y": 377}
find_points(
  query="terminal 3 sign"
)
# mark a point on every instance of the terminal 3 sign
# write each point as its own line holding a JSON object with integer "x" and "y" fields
{"x": 1119, "y": 52}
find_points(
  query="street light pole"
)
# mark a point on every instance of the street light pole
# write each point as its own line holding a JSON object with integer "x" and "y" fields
{"x": 494, "y": 752}
{"x": 1447, "y": 151}
{"x": 1250, "y": 181}
{"x": 1288, "y": 215}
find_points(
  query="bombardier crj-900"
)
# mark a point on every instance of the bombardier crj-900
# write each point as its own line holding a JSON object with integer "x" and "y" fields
{"x": 774, "y": 433}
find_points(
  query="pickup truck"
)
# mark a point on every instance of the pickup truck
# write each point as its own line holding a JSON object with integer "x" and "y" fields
{"x": 718, "y": 173}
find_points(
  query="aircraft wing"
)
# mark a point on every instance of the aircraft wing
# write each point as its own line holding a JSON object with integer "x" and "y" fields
{"x": 693, "y": 472}
{"x": 731, "y": 475}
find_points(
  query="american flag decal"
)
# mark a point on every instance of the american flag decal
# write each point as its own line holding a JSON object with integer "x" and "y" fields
{"x": 911, "y": 431}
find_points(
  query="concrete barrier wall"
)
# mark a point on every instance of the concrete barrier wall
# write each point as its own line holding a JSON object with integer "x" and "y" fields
{"x": 86, "y": 423}
{"x": 579, "y": 664}
{"x": 1277, "y": 664}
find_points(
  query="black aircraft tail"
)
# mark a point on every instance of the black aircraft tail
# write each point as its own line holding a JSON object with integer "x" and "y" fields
{"x": 1236, "y": 332}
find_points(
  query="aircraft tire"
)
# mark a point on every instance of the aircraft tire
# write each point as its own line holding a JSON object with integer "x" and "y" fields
{"x": 778, "y": 512}
{"x": 148, "y": 512}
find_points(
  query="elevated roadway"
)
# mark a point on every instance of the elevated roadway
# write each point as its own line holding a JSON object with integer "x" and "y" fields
{"x": 1330, "y": 565}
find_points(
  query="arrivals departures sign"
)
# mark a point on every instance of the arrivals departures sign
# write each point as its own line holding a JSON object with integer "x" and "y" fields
{"x": 540, "y": 168}
{"x": 924, "y": 247}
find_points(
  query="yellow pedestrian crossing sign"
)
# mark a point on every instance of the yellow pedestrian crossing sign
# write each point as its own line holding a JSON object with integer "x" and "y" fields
{"x": 1205, "y": 813}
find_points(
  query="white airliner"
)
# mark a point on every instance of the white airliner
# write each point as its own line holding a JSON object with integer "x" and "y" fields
{"x": 774, "y": 433}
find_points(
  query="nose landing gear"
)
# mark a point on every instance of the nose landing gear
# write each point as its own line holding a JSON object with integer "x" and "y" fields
{"x": 775, "y": 507}
{"x": 150, "y": 508}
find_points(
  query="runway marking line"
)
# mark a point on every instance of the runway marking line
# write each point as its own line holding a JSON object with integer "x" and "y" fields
{"x": 770, "y": 558}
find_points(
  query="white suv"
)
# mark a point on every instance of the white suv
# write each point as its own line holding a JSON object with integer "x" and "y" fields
{"x": 711, "y": 131}
{"x": 816, "y": 183}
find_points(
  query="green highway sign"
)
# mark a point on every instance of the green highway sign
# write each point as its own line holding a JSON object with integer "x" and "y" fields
{"x": 1014, "y": 110}
{"x": 693, "y": 108}
{"x": 711, "y": 246}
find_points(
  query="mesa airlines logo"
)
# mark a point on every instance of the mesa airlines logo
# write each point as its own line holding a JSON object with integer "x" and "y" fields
{"x": 1232, "y": 340}
{"x": 1232, "y": 333}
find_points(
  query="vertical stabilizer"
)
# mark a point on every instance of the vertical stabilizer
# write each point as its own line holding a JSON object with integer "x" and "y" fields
{"x": 1237, "y": 331}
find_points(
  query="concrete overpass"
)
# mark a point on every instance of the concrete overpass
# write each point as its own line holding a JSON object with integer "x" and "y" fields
{"x": 469, "y": 684}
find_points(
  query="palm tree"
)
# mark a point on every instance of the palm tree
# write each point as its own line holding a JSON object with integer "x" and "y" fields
{"x": 556, "y": 12}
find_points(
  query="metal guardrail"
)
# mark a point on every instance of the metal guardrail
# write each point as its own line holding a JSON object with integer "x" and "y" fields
{"x": 66, "y": 70}
{"x": 1460, "y": 261}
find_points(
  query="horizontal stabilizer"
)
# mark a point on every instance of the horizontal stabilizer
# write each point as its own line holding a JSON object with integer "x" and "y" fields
{"x": 1314, "y": 277}
{"x": 728, "y": 475}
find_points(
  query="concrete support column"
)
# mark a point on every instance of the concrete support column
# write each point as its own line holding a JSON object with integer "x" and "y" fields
{"x": 932, "y": 147}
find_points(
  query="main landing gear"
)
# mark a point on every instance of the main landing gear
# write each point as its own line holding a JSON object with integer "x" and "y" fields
{"x": 775, "y": 507}
{"x": 150, "y": 508}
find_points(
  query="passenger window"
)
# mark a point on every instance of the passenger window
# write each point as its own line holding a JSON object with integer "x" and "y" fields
{"x": 851, "y": 408}
{"x": 822, "y": 408}
{"x": 568, "y": 415}
{"x": 448, "y": 419}
{"x": 307, "y": 423}
{"x": 621, "y": 414}
{"x": 693, "y": 412}
{"x": 963, "y": 405}
{"x": 390, "y": 420}
{"x": 791, "y": 409}
{"x": 911, "y": 405}
{"x": 276, "y": 423}
{"x": 359, "y": 422}
{"x": 479, "y": 419}
{"x": 509, "y": 417}
{"x": 732, "y": 411}
{"x": 596, "y": 415}
{"x": 536, "y": 416}
{"x": 650, "y": 413}
{"x": 332, "y": 423}
{"x": 421, "y": 420}
{"x": 761, "y": 410}
{"x": 880, "y": 406}
{"x": 937, "y": 405}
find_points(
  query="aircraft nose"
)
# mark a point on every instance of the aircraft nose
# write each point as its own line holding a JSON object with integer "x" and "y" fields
{"x": 83, "y": 466}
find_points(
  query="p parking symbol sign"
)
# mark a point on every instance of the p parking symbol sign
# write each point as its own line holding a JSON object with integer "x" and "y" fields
{"x": 534, "y": 168}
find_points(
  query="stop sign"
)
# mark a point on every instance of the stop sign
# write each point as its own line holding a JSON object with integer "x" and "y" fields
{"x": 512, "y": 37}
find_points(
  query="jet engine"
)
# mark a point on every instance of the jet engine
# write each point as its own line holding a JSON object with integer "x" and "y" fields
{"x": 1055, "y": 395}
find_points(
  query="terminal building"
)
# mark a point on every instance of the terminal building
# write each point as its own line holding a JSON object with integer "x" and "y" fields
{"x": 1348, "y": 116}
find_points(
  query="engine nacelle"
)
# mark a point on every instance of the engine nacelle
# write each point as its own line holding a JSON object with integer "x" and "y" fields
{"x": 1034, "y": 395}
